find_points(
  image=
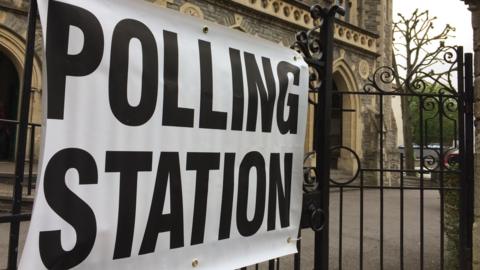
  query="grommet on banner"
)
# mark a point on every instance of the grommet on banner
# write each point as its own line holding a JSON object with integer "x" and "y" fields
{"x": 293, "y": 240}
{"x": 205, "y": 29}
{"x": 195, "y": 263}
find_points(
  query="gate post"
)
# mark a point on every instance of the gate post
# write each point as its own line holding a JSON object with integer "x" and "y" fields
{"x": 321, "y": 132}
{"x": 316, "y": 45}
{"x": 322, "y": 128}
{"x": 466, "y": 165}
{"x": 22, "y": 135}
{"x": 467, "y": 180}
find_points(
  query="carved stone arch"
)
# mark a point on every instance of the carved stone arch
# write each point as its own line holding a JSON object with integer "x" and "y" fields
{"x": 344, "y": 78}
{"x": 343, "y": 72}
{"x": 13, "y": 46}
{"x": 192, "y": 10}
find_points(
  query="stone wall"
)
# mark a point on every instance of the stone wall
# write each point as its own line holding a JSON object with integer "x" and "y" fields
{"x": 476, "y": 228}
{"x": 376, "y": 16}
{"x": 224, "y": 13}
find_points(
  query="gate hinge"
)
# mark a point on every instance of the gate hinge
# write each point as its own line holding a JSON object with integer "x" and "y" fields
{"x": 312, "y": 215}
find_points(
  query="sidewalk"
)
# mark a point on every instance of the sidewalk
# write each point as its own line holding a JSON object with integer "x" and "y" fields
{"x": 351, "y": 230}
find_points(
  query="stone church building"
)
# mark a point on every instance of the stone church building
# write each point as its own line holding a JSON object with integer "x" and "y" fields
{"x": 363, "y": 43}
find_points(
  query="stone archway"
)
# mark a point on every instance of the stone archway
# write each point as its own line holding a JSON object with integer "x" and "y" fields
{"x": 9, "y": 93}
{"x": 12, "y": 47}
{"x": 350, "y": 124}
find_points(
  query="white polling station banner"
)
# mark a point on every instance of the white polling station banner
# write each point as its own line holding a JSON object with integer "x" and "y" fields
{"x": 169, "y": 142}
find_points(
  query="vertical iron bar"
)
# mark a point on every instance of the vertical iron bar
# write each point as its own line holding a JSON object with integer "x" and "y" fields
{"x": 441, "y": 167}
{"x": 296, "y": 258}
{"x": 30, "y": 164}
{"x": 402, "y": 214}
{"x": 422, "y": 194}
{"x": 381, "y": 183}
{"x": 22, "y": 135}
{"x": 340, "y": 229}
{"x": 271, "y": 265}
{"x": 361, "y": 220}
{"x": 462, "y": 153}
{"x": 322, "y": 123}
{"x": 469, "y": 164}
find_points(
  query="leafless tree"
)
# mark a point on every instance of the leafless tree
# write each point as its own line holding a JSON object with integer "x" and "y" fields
{"x": 417, "y": 57}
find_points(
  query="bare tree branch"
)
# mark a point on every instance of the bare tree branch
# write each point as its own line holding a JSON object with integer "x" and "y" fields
{"x": 415, "y": 62}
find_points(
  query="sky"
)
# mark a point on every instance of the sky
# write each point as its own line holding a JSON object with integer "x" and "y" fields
{"x": 453, "y": 12}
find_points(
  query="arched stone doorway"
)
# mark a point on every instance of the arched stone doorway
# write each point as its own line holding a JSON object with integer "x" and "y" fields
{"x": 12, "y": 49}
{"x": 345, "y": 123}
{"x": 336, "y": 128}
{"x": 9, "y": 96}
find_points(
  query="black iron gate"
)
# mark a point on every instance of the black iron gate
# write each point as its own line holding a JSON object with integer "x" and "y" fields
{"x": 377, "y": 212}
{"x": 442, "y": 179}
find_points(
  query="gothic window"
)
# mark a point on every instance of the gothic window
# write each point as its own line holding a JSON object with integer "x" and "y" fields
{"x": 346, "y": 4}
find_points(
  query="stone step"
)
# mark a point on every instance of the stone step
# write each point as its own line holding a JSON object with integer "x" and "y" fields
{"x": 6, "y": 203}
{"x": 6, "y": 195}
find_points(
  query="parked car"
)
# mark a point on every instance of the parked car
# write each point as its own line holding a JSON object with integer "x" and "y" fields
{"x": 451, "y": 158}
{"x": 433, "y": 146}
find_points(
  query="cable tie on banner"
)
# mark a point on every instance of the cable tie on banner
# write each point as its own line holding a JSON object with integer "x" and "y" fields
{"x": 293, "y": 240}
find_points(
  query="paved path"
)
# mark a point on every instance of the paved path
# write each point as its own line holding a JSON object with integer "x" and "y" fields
{"x": 350, "y": 250}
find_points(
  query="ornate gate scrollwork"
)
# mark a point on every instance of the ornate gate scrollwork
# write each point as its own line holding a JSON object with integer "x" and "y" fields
{"x": 382, "y": 170}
